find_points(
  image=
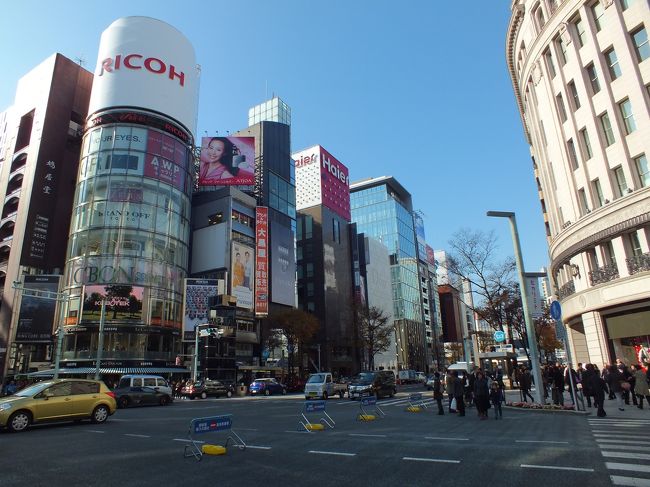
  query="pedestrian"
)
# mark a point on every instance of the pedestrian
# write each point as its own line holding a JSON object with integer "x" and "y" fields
{"x": 495, "y": 399}
{"x": 628, "y": 376}
{"x": 449, "y": 385}
{"x": 614, "y": 382}
{"x": 469, "y": 387}
{"x": 558, "y": 385}
{"x": 438, "y": 392}
{"x": 598, "y": 387}
{"x": 641, "y": 387}
{"x": 481, "y": 394}
{"x": 525, "y": 383}
{"x": 586, "y": 383}
{"x": 571, "y": 380}
{"x": 459, "y": 392}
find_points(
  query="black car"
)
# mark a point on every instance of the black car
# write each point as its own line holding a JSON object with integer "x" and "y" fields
{"x": 207, "y": 387}
{"x": 372, "y": 383}
{"x": 140, "y": 396}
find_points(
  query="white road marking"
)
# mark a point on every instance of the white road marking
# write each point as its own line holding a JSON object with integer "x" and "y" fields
{"x": 434, "y": 460}
{"x": 185, "y": 440}
{"x": 337, "y": 453}
{"x": 631, "y": 467}
{"x": 296, "y": 431}
{"x": 247, "y": 429}
{"x": 443, "y": 438}
{"x": 606, "y": 446}
{"x": 367, "y": 436}
{"x": 608, "y": 435}
{"x": 136, "y": 436}
{"x": 623, "y": 442}
{"x": 95, "y": 431}
{"x": 632, "y": 455}
{"x": 631, "y": 481}
{"x": 553, "y": 467}
{"x": 254, "y": 447}
{"x": 542, "y": 441}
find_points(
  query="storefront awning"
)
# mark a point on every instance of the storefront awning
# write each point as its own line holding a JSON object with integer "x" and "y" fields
{"x": 112, "y": 370}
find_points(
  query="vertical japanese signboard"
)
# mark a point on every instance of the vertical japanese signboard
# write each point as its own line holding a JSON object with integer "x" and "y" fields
{"x": 261, "y": 260}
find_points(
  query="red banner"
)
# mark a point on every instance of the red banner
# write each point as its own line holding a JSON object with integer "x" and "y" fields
{"x": 261, "y": 260}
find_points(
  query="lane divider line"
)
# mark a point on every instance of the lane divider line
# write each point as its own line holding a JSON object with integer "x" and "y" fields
{"x": 254, "y": 447}
{"x": 185, "y": 440}
{"x": 543, "y": 441}
{"x": 133, "y": 435}
{"x": 367, "y": 436}
{"x": 433, "y": 460}
{"x": 443, "y": 438}
{"x": 95, "y": 431}
{"x": 337, "y": 453}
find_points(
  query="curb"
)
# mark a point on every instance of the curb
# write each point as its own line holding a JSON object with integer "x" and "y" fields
{"x": 535, "y": 410}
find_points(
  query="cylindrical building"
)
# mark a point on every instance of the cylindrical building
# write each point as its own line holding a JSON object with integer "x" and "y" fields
{"x": 129, "y": 236}
{"x": 581, "y": 75}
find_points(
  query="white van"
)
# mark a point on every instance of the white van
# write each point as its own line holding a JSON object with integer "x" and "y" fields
{"x": 138, "y": 380}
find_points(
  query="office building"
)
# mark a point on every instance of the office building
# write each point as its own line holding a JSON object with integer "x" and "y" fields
{"x": 580, "y": 72}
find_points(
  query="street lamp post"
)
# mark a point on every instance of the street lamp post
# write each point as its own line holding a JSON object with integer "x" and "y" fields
{"x": 530, "y": 328}
{"x": 100, "y": 339}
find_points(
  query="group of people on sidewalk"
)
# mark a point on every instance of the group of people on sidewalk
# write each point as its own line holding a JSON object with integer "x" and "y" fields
{"x": 477, "y": 388}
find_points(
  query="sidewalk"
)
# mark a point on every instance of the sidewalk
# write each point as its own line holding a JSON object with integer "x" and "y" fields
{"x": 611, "y": 406}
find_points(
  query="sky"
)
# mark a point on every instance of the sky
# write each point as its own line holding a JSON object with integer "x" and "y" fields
{"x": 417, "y": 89}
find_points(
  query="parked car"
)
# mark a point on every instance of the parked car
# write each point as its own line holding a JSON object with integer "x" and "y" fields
{"x": 207, "y": 387}
{"x": 140, "y": 380}
{"x": 377, "y": 382}
{"x": 267, "y": 387}
{"x": 57, "y": 400}
{"x": 140, "y": 396}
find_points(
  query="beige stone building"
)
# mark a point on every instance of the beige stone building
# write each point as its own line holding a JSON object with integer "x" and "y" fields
{"x": 581, "y": 75}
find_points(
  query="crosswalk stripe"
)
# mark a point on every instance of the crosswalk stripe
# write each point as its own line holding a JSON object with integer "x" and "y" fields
{"x": 623, "y": 442}
{"x": 609, "y": 446}
{"x": 631, "y": 467}
{"x": 631, "y": 455}
{"x": 629, "y": 481}
{"x": 609, "y": 435}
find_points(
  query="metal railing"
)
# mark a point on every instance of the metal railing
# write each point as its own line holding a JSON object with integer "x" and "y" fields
{"x": 567, "y": 289}
{"x": 603, "y": 274}
{"x": 638, "y": 263}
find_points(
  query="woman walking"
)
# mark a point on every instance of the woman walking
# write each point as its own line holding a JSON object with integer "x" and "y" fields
{"x": 614, "y": 381}
{"x": 641, "y": 386}
{"x": 495, "y": 399}
{"x": 481, "y": 394}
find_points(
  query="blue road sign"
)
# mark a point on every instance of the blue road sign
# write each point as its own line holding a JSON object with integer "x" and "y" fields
{"x": 314, "y": 406}
{"x": 369, "y": 401}
{"x": 556, "y": 310}
{"x": 212, "y": 423}
{"x": 499, "y": 336}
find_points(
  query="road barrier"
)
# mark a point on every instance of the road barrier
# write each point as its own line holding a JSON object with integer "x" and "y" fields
{"x": 368, "y": 402}
{"x": 211, "y": 424}
{"x": 311, "y": 407}
{"x": 416, "y": 403}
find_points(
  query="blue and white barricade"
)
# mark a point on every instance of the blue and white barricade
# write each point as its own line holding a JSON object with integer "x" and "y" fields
{"x": 311, "y": 407}
{"x": 368, "y": 406}
{"x": 416, "y": 401}
{"x": 210, "y": 424}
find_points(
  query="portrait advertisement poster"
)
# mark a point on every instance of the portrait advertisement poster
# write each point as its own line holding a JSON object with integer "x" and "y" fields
{"x": 261, "y": 261}
{"x": 227, "y": 161}
{"x": 123, "y": 302}
{"x": 36, "y": 316}
{"x": 197, "y": 303}
{"x": 283, "y": 265}
{"x": 242, "y": 262}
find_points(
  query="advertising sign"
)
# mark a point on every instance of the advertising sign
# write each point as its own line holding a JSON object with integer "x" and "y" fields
{"x": 241, "y": 272}
{"x": 36, "y": 317}
{"x": 431, "y": 257}
{"x": 227, "y": 161}
{"x": 212, "y": 423}
{"x": 283, "y": 265}
{"x": 534, "y": 296}
{"x": 314, "y": 406}
{"x": 123, "y": 302}
{"x": 261, "y": 260}
{"x": 146, "y": 63}
{"x": 197, "y": 301}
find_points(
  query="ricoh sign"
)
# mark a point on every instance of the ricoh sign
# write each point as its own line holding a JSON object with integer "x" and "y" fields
{"x": 144, "y": 63}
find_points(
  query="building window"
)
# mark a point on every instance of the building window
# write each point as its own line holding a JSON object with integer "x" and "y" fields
{"x": 625, "y": 4}
{"x": 311, "y": 306}
{"x": 539, "y": 17}
{"x": 593, "y": 78}
{"x": 586, "y": 144}
{"x": 635, "y": 244}
{"x": 573, "y": 156}
{"x": 573, "y": 91}
{"x": 309, "y": 269}
{"x": 621, "y": 184}
{"x": 549, "y": 63}
{"x": 598, "y": 11}
{"x": 336, "y": 230}
{"x": 628, "y": 118}
{"x": 582, "y": 200}
{"x": 309, "y": 226}
{"x": 560, "y": 107}
{"x": 215, "y": 218}
{"x": 608, "y": 132}
{"x": 610, "y": 256}
{"x": 310, "y": 289}
{"x": 612, "y": 63}
{"x": 643, "y": 170}
{"x": 561, "y": 46}
{"x": 580, "y": 30}
{"x": 598, "y": 193}
{"x": 640, "y": 41}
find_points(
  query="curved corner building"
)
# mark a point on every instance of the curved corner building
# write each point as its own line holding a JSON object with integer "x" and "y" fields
{"x": 581, "y": 76}
{"x": 129, "y": 234}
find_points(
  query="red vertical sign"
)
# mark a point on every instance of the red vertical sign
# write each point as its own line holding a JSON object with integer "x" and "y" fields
{"x": 261, "y": 260}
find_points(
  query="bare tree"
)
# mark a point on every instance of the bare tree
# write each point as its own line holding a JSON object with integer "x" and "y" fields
{"x": 375, "y": 331}
{"x": 298, "y": 328}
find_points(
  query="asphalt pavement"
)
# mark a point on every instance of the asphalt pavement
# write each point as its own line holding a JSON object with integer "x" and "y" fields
{"x": 145, "y": 446}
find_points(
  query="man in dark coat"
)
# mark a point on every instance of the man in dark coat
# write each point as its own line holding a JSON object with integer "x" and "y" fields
{"x": 459, "y": 392}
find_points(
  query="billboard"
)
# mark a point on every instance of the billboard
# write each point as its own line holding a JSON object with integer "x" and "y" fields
{"x": 242, "y": 261}
{"x": 431, "y": 256}
{"x": 227, "y": 161}
{"x": 197, "y": 303}
{"x": 146, "y": 63}
{"x": 36, "y": 317}
{"x": 283, "y": 265}
{"x": 533, "y": 295}
{"x": 123, "y": 302}
{"x": 261, "y": 260}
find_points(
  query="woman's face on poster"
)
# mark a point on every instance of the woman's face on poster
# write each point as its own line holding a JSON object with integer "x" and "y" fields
{"x": 215, "y": 150}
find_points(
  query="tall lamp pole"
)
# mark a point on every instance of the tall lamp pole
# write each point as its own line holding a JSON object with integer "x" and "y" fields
{"x": 530, "y": 328}
{"x": 100, "y": 340}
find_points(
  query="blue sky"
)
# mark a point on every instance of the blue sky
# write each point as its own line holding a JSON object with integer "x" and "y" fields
{"x": 417, "y": 89}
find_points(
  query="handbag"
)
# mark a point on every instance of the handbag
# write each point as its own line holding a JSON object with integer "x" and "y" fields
{"x": 453, "y": 404}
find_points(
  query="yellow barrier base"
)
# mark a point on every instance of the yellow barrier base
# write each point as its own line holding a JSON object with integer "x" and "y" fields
{"x": 213, "y": 450}
{"x": 367, "y": 417}
{"x": 414, "y": 409}
{"x": 315, "y": 426}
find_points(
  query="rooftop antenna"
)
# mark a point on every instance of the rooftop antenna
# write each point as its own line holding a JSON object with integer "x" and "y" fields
{"x": 80, "y": 60}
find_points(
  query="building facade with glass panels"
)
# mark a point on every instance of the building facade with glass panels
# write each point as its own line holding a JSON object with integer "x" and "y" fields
{"x": 382, "y": 209}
